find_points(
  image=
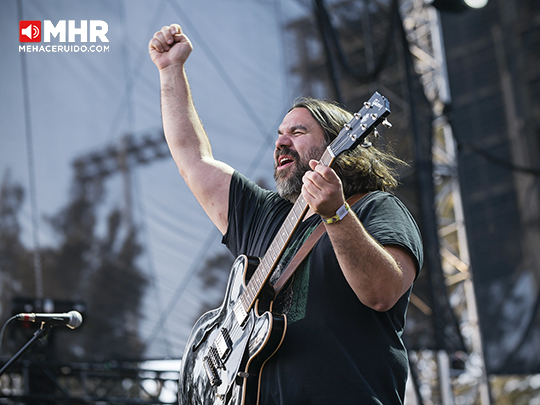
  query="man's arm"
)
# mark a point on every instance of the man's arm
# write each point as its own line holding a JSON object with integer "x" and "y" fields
{"x": 379, "y": 275}
{"x": 188, "y": 143}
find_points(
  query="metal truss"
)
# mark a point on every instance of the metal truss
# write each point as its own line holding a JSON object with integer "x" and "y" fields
{"x": 122, "y": 157}
{"x": 130, "y": 151}
{"x": 421, "y": 23}
{"x": 88, "y": 383}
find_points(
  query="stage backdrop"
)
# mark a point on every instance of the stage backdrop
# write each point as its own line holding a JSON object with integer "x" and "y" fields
{"x": 493, "y": 59}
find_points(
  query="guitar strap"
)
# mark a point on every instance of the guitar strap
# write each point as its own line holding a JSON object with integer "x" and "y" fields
{"x": 306, "y": 248}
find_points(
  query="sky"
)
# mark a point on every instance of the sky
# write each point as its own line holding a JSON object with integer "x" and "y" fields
{"x": 58, "y": 106}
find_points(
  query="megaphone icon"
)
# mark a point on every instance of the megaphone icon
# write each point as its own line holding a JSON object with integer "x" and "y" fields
{"x": 32, "y": 31}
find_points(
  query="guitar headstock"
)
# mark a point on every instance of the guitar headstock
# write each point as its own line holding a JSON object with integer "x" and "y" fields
{"x": 373, "y": 113}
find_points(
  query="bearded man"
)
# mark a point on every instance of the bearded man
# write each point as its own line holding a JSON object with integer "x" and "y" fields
{"x": 345, "y": 305}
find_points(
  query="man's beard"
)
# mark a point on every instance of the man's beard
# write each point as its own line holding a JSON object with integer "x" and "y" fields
{"x": 289, "y": 184}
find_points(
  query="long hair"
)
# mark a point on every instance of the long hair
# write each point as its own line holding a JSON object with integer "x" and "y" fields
{"x": 362, "y": 169}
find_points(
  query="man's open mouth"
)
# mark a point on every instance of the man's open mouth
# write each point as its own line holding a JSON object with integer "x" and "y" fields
{"x": 284, "y": 161}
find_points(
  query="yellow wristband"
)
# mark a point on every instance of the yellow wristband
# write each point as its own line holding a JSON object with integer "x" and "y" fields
{"x": 340, "y": 214}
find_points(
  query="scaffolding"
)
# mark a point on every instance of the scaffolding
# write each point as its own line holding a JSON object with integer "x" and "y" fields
{"x": 421, "y": 23}
{"x": 360, "y": 51}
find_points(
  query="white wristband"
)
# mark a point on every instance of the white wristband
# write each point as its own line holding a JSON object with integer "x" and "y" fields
{"x": 340, "y": 214}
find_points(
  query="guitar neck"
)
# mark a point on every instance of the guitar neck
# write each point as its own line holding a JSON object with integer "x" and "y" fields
{"x": 280, "y": 242}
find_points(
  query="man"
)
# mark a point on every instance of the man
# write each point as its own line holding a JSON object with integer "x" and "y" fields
{"x": 346, "y": 304}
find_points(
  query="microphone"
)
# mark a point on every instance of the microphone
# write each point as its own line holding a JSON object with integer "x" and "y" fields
{"x": 72, "y": 319}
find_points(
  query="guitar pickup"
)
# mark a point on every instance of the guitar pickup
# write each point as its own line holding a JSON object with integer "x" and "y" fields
{"x": 223, "y": 344}
{"x": 240, "y": 313}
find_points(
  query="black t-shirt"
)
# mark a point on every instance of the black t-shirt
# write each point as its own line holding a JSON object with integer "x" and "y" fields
{"x": 336, "y": 350}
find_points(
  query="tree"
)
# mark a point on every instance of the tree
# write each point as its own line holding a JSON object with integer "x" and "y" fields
{"x": 16, "y": 273}
{"x": 99, "y": 270}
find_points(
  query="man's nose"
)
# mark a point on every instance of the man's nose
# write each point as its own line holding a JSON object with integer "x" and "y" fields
{"x": 283, "y": 140}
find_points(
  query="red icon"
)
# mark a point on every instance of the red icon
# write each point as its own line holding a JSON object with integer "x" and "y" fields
{"x": 29, "y": 31}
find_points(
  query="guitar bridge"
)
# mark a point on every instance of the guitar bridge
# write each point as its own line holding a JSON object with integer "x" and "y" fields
{"x": 214, "y": 356}
{"x": 211, "y": 371}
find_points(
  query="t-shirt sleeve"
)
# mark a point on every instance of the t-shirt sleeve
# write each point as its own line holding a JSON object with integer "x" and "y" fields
{"x": 389, "y": 222}
{"x": 254, "y": 216}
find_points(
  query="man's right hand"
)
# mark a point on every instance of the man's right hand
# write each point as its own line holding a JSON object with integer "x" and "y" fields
{"x": 169, "y": 47}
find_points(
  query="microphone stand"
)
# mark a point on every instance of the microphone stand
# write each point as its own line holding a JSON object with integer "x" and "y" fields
{"x": 40, "y": 333}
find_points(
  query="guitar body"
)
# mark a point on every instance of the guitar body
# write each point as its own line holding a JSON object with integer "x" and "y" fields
{"x": 227, "y": 348}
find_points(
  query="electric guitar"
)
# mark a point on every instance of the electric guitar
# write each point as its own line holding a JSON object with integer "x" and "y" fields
{"x": 228, "y": 346}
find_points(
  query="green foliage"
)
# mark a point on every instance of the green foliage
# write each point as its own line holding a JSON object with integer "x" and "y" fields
{"x": 100, "y": 270}
{"x": 16, "y": 272}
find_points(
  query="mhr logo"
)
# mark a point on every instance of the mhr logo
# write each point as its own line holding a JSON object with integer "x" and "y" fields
{"x": 88, "y": 31}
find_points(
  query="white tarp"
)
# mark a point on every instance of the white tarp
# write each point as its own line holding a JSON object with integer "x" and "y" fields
{"x": 56, "y": 106}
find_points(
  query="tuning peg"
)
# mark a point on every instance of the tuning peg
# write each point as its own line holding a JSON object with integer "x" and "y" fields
{"x": 376, "y": 133}
{"x": 367, "y": 104}
{"x": 366, "y": 144}
{"x": 387, "y": 123}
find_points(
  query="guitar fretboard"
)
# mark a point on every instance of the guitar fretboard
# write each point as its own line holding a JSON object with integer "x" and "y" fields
{"x": 280, "y": 242}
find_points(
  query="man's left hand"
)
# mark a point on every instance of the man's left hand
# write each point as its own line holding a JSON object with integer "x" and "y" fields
{"x": 322, "y": 190}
